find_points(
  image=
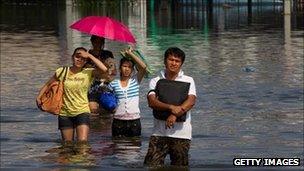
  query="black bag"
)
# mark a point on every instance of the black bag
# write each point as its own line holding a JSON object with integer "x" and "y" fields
{"x": 171, "y": 92}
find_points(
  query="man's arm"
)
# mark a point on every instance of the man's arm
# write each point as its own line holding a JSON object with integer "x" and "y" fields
{"x": 180, "y": 110}
{"x": 176, "y": 111}
{"x": 154, "y": 103}
{"x": 185, "y": 107}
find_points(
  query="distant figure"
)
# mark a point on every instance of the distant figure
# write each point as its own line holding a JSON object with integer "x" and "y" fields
{"x": 74, "y": 114}
{"x": 107, "y": 58}
{"x": 227, "y": 6}
{"x": 97, "y": 46}
{"x": 169, "y": 136}
{"x": 126, "y": 119}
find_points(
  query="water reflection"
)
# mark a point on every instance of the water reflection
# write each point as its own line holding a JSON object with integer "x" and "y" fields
{"x": 100, "y": 133}
{"x": 124, "y": 151}
{"x": 127, "y": 152}
{"x": 67, "y": 156}
{"x": 238, "y": 113}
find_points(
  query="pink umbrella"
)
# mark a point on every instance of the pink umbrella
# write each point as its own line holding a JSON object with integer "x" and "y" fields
{"x": 104, "y": 27}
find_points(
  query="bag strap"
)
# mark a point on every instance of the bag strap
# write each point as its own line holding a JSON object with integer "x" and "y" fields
{"x": 61, "y": 73}
{"x": 66, "y": 73}
{"x": 65, "y": 69}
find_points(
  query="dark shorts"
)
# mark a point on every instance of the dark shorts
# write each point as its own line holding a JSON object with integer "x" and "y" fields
{"x": 126, "y": 128}
{"x": 159, "y": 147}
{"x": 65, "y": 122}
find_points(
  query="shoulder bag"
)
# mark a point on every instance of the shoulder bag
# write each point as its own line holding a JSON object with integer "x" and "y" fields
{"x": 52, "y": 97}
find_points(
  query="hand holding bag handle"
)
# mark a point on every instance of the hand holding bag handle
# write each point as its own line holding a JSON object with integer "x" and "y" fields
{"x": 52, "y": 97}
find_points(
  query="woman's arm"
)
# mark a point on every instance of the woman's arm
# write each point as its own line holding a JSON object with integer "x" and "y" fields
{"x": 101, "y": 68}
{"x": 142, "y": 67}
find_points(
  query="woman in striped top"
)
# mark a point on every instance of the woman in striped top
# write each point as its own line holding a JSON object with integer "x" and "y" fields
{"x": 126, "y": 120}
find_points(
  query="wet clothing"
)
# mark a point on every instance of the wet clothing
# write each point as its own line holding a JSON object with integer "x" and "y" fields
{"x": 127, "y": 128}
{"x": 76, "y": 87}
{"x": 159, "y": 147}
{"x": 65, "y": 122}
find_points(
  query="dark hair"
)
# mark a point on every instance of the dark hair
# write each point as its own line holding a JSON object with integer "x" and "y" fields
{"x": 122, "y": 60}
{"x": 105, "y": 54}
{"x": 79, "y": 48}
{"x": 176, "y": 52}
{"x": 94, "y": 37}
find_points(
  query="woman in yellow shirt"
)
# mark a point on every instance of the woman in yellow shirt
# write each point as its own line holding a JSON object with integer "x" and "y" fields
{"x": 74, "y": 114}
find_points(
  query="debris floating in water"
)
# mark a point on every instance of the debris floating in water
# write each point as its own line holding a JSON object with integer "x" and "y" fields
{"x": 249, "y": 69}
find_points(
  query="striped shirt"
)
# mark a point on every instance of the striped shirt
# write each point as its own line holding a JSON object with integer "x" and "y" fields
{"x": 128, "y": 99}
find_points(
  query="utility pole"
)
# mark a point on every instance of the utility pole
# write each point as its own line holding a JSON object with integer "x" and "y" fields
{"x": 287, "y": 7}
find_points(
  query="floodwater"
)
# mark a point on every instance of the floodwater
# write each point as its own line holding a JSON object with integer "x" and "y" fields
{"x": 247, "y": 64}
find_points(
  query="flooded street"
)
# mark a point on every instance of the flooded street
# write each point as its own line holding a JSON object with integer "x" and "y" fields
{"x": 247, "y": 66}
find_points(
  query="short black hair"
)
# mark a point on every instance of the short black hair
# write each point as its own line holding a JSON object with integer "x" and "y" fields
{"x": 94, "y": 37}
{"x": 122, "y": 60}
{"x": 175, "y": 51}
{"x": 105, "y": 54}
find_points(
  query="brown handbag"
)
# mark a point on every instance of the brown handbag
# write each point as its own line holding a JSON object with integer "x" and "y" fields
{"x": 51, "y": 100}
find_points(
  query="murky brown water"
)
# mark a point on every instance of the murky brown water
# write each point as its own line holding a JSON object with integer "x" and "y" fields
{"x": 248, "y": 71}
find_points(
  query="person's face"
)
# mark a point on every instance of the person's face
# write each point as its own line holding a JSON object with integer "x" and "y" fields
{"x": 110, "y": 64}
{"x": 98, "y": 43}
{"x": 126, "y": 69}
{"x": 173, "y": 64}
{"x": 79, "y": 61}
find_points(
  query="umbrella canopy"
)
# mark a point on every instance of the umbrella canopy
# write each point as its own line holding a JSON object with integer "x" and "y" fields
{"x": 104, "y": 27}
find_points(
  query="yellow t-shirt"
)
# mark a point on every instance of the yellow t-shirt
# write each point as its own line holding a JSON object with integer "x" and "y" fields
{"x": 76, "y": 87}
